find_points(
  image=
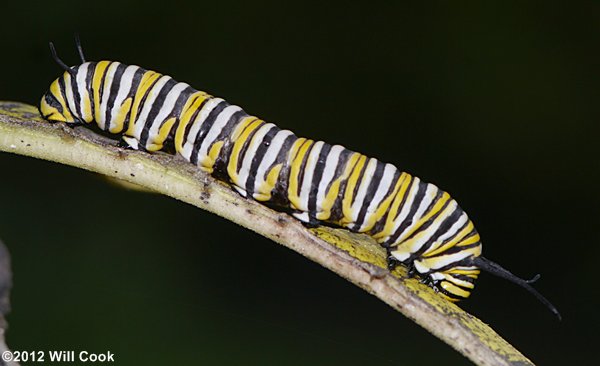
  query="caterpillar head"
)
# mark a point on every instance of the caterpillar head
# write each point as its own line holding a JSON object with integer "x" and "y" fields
{"x": 455, "y": 281}
{"x": 54, "y": 105}
{"x": 451, "y": 272}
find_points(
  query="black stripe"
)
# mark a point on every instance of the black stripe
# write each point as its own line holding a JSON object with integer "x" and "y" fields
{"x": 258, "y": 158}
{"x": 75, "y": 91}
{"x": 112, "y": 94}
{"x": 435, "y": 235}
{"x": 103, "y": 81}
{"x": 220, "y": 168}
{"x": 157, "y": 104}
{"x": 380, "y": 225}
{"x": 280, "y": 196}
{"x": 336, "y": 209}
{"x": 371, "y": 191}
{"x": 463, "y": 277}
{"x": 204, "y": 128}
{"x": 62, "y": 89}
{"x": 302, "y": 169}
{"x": 458, "y": 231}
{"x": 169, "y": 144}
{"x": 360, "y": 178}
{"x": 451, "y": 295}
{"x": 88, "y": 86}
{"x": 427, "y": 223}
{"x": 188, "y": 127}
{"x": 103, "y": 86}
{"x": 442, "y": 229}
{"x": 135, "y": 85}
{"x": 457, "y": 249}
{"x": 101, "y": 91}
{"x": 316, "y": 180}
{"x": 408, "y": 220}
{"x": 461, "y": 262}
{"x": 244, "y": 149}
{"x": 53, "y": 102}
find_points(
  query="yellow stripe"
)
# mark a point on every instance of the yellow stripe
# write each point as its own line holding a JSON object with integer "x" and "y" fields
{"x": 87, "y": 107}
{"x": 457, "y": 239}
{"x": 332, "y": 194}
{"x": 435, "y": 262}
{"x": 55, "y": 90}
{"x": 372, "y": 218}
{"x": 156, "y": 143}
{"x": 265, "y": 189}
{"x": 50, "y": 113}
{"x": 410, "y": 245}
{"x": 241, "y": 127}
{"x": 186, "y": 115}
{"x": 147, "y": 80}
{"x": 119, "y": 118}
{"x": 296, "y": 165}
{"x": 209, "y": 162}
{"x": 466, "y": 272}
{"x": 391, "y": 217}
{"x": 237, "y": 147}
{"x": 468, "y": 241}
{"x": 455, "y": 290}
{"x": 96, "y": 83}
{"x": 291, "y": 158}
{"x": 68, "y": 87}
{"x": 349, "y": 193}
{"x": 434, "y": 210}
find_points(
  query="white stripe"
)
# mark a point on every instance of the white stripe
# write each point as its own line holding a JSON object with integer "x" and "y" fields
{"x": 148, "y": 103}
{"x": 255, "y": 143}
{"x": 270, "y": 157}
{"x": 302, "y": 216}
{"x": 362, "y": 189}
{"x": 417, "y": 243}
{"x": 82, "y": 91}
{"x": 215, "y": 130}
{"x": 328, "y": 174}
{"x": 69, "y": 95}
{"x": 110, "y": 73}
{"x": 309, "y": 171}
{"x": 380, "y": 194}
{"x": 448, "y": 234}
{"x": 445, "y": 260}
{"x": 405, "y": 209}
{"x": 123, "y": 93}
{"x": 430, "y": 193}
{"x": 188, "y": 147}
{"x": 165, "y": 111}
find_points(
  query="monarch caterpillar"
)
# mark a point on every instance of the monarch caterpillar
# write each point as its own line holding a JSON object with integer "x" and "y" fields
{"x": 420, "y": 225}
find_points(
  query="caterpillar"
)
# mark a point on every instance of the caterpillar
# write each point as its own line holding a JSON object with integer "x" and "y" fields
{"x": 418, "y": 224}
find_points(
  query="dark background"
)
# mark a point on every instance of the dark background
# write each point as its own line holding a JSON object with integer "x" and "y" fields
{"x": 495, "y": 103}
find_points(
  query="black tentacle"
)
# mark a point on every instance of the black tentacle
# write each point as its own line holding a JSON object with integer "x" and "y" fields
{"x": 79, "y": 48}
{"x": 58, "y": 60}
{"x": 497, "y": 270}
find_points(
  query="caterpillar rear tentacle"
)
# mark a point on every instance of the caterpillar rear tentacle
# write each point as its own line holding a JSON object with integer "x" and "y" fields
{"x": 420, "y": 225}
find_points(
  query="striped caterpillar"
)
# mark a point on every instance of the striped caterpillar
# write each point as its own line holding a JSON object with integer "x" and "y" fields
{"x": 420, "y": 226}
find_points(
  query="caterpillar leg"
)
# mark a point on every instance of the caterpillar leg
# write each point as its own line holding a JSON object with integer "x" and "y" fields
{"x": 393, "y": 262}
{"x": 307, "y": 220}
{"x": 127, "y": 142}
